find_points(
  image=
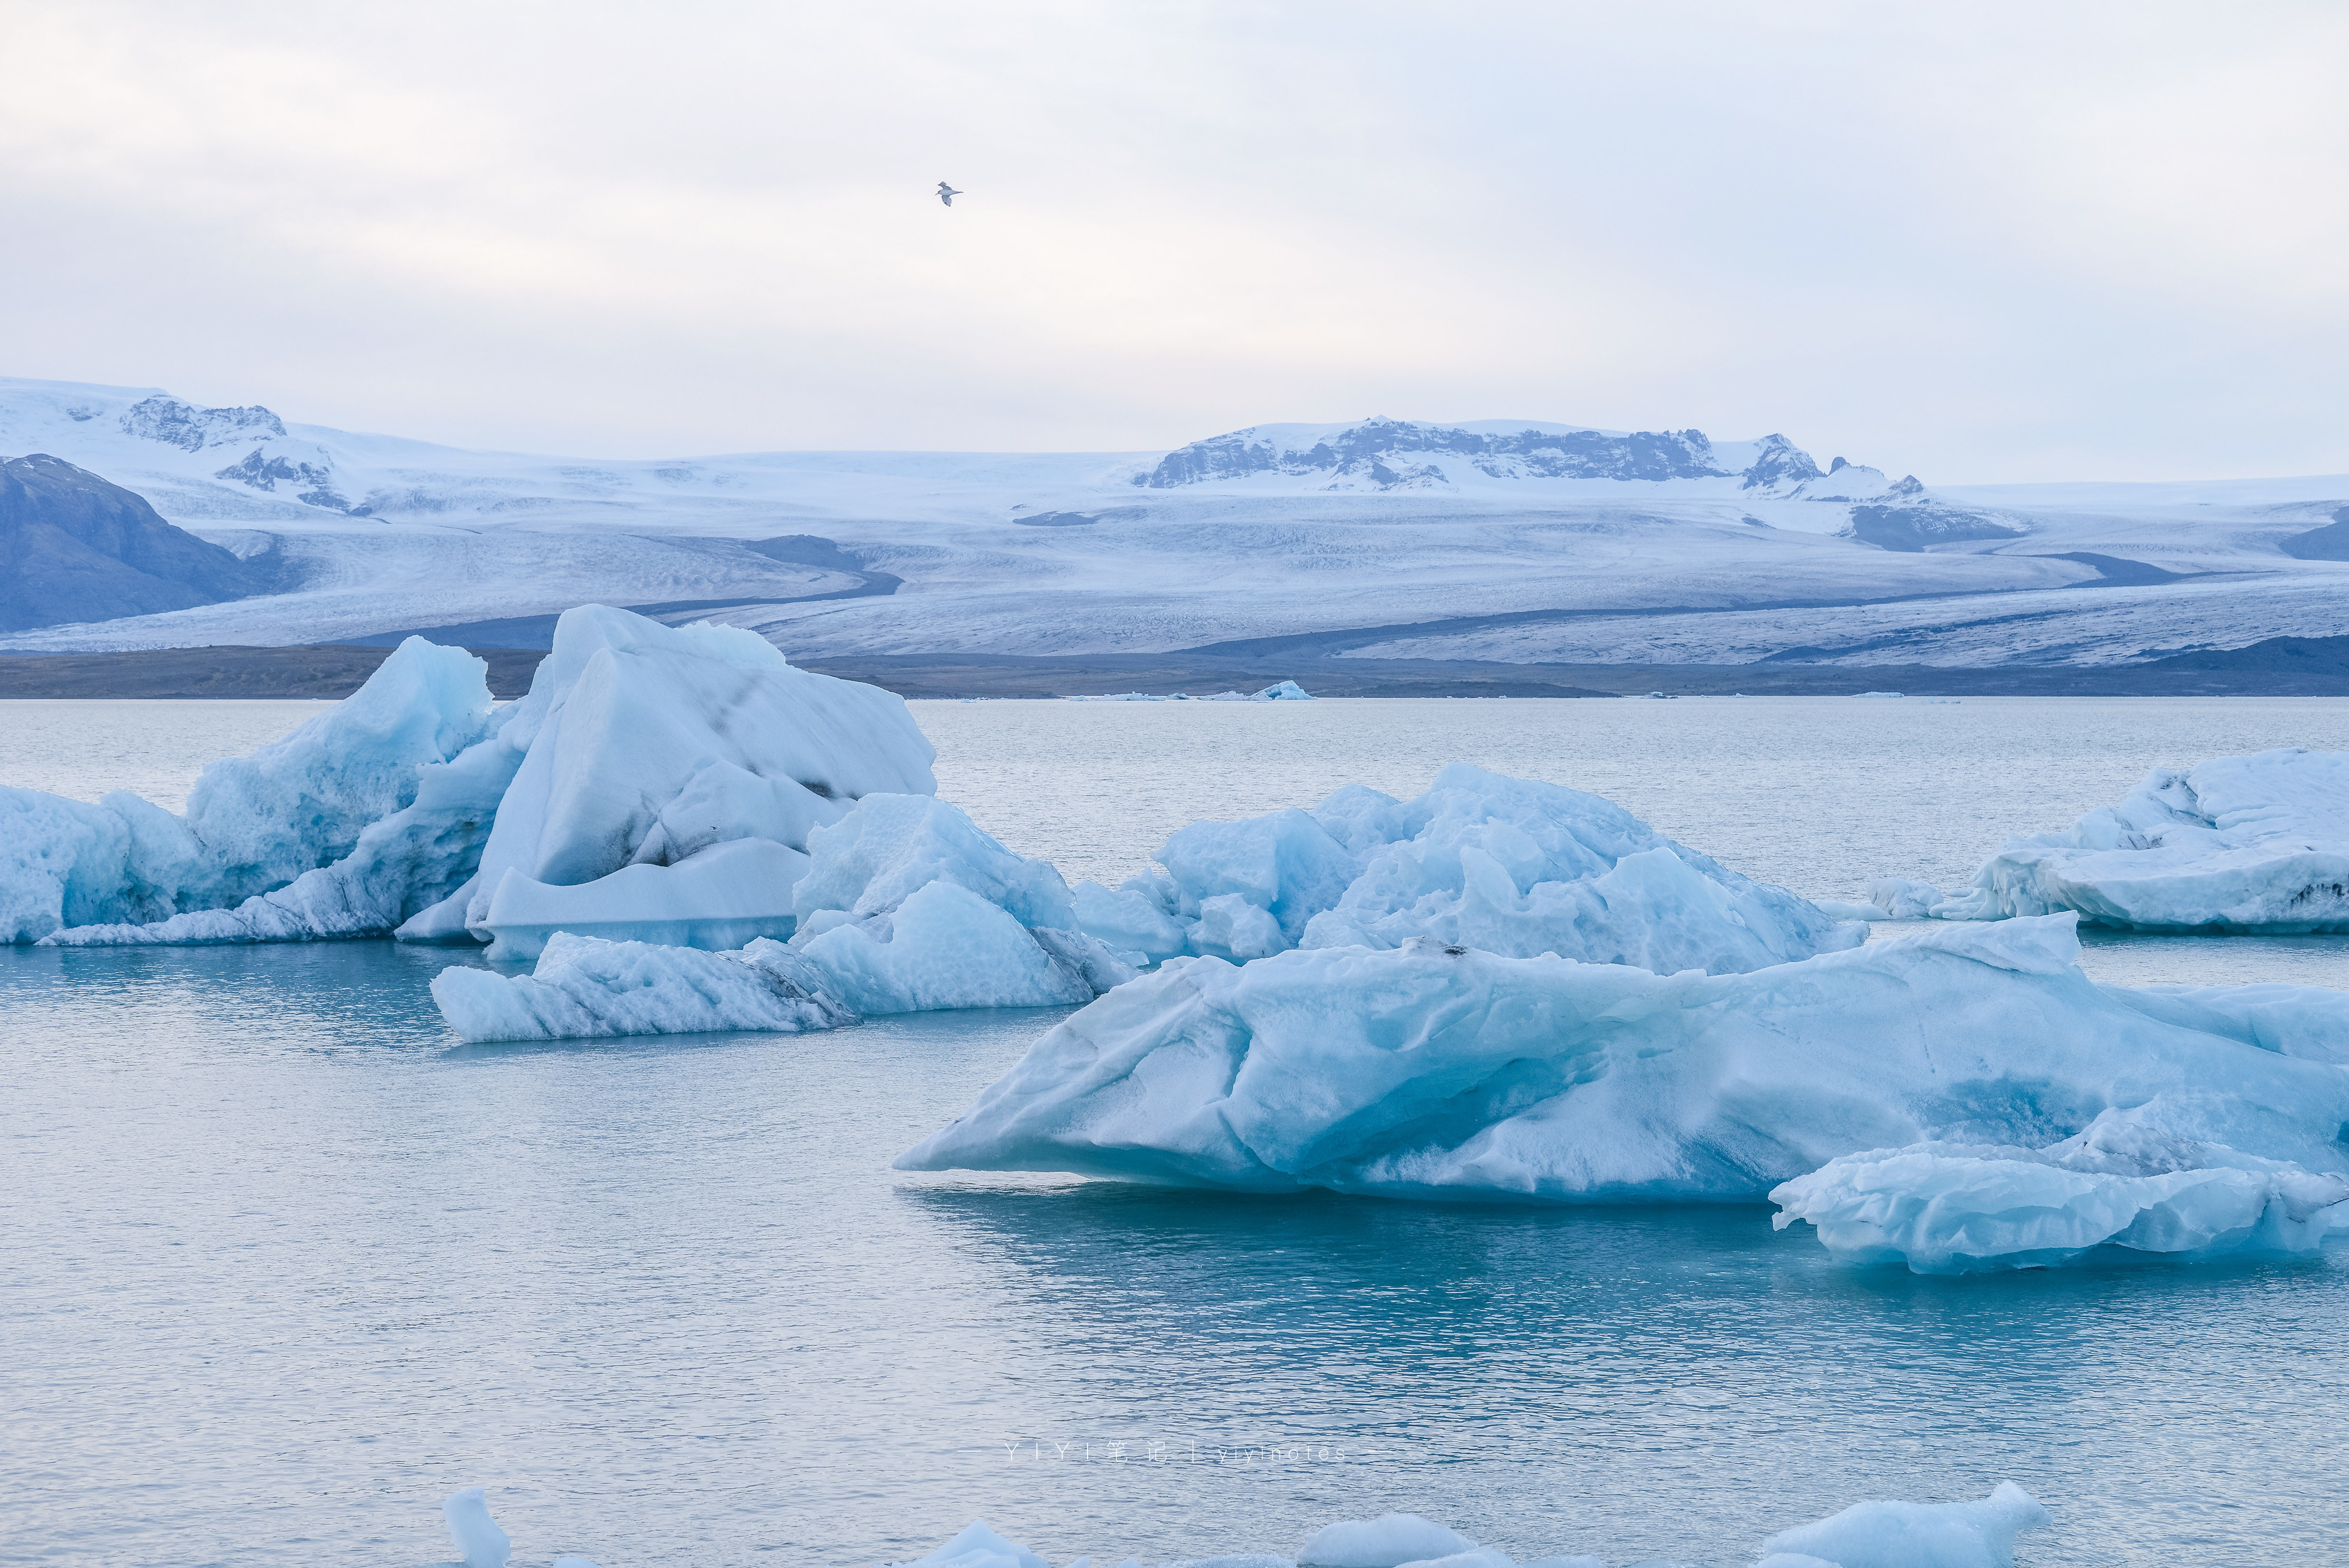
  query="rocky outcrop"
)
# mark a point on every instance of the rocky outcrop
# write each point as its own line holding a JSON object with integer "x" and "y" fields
{"x": 74, "y": 547}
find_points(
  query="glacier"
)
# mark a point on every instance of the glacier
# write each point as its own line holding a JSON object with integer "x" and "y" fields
{"x": 1717, "y": 552}
{"x": 655, "y": 782}
{"x": 1431, "y": 1071}
{"x": 1975, "y": 1534}
{"x": 2130, "y": 1180}
{"x": 1509, "y": 866}
{"x": 905, "y": 906}
{"x": 2234, "y": 843}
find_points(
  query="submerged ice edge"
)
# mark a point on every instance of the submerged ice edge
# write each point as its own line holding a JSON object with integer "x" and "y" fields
{"x": 1883, "y": 1534}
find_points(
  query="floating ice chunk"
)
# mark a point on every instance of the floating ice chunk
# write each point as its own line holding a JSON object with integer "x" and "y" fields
{"x": 647, "y": 744}
{"x": 978, "y": 1547}
{"x": 1504, "y": 864}
{"x": 1474, "y": 1557}
{"x": 1427, "y": 1071}
{"x": 480, "y": 1543}
{"x": 1845, "y": 910}
{"x": 1948, "y": 1208}
{"x": 401, "y": 865}
{"x": 880, "y": 853}
{"x": 255, "y": 824}
{"x": 1236, "y": 1560}
{"x": 1128, "y": 921}
{"x": 1903, "y": 900}
{"x": 2253, "y": 843}
{"x": 720, "y": 897}
{"x": 1918, "y": 1534}
{"x": 1285, "y": 863}
{"x": 584, "y": 987}
{"x": 1386, "y": 1541}
{"x": 1284, "y": 691}
{"x": 944, "y": 947}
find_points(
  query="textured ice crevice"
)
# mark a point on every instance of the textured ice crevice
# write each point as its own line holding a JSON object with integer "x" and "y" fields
{"x": 2249, "y": 843}
{"x": 1507, "y": 865}
{"x": 1428, "y": 1071}
{"x": 2129, "y": 1182}
{"x": 905, "y": 906}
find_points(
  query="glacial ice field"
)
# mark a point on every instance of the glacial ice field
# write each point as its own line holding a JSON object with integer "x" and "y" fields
{"x": 287, "y": 1265}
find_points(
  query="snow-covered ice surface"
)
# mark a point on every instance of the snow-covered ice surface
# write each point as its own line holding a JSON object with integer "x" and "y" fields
{"x": 2235, "y": 844}
{"x": 1979, "y": 1534}
{"x": 1650, "y": 547}
{"x": 1433, "y": 1072}
{"x": 1509, "y": 866}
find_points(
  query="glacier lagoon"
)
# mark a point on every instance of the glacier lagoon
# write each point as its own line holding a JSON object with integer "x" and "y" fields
{"x": 288, "y": 1265}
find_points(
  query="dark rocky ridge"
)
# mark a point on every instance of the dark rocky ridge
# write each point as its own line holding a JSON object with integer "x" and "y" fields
{"x": 74, "y": 547}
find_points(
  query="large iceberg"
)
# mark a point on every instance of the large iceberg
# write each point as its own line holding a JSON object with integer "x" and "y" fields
{"x": 1506, "y": 866}
{"x": 1432, "y": 1071}
{"x": 1977, "y": 1535}
{"x": 905, "y": 906}
{"x": 645, "y": 750}
{"x": 2236, "y": 844}
{"x": 657, "y": 783}
{"x": 2126, "y": 1182}
{"x": 349, "y": 824}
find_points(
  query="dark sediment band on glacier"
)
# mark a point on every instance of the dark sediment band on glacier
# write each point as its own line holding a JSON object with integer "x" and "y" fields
{"x": 2280, "y": 667}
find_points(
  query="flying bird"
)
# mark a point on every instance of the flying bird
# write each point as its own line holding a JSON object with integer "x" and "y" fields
{"x": 947, "y": 193}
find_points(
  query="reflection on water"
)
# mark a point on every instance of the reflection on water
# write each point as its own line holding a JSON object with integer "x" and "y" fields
{"x": 285, "y": 1265}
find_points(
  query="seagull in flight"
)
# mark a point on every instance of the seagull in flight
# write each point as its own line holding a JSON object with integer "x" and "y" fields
{"x": 947, "y": 193}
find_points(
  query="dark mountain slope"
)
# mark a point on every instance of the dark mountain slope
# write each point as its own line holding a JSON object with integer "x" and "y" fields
{"x": 74, "y": 547}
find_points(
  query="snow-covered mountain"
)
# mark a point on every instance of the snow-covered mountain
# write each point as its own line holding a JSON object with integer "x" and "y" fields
{"x": 1504, "y": 539}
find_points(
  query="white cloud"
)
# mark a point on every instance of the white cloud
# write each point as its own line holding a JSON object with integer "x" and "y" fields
{"x": 2001, "y": 242}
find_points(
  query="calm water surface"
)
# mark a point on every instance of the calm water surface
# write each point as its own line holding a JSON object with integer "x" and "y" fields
{"x": 285, "y": 1262}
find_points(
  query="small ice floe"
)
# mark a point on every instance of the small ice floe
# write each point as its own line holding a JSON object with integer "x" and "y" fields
{"x": 2125, "y": 1182}
{"x": 1281, "y": 691}
{"x": 1883, "y": 695}
{"x": 2256, "y": 843}
{"x": 480, "y": 1544}
{"x": 1865, "y": 1535}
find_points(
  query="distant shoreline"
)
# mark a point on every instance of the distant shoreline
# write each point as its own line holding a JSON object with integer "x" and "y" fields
{"x": 2281, "y": 667}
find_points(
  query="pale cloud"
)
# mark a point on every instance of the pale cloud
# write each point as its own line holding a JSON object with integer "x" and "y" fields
{"x": 1989, "y": 242}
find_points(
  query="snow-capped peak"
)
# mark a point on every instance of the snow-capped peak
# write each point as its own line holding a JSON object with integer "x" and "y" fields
{"x": 166, "y": 418}
{"x": 1382, "y": 453}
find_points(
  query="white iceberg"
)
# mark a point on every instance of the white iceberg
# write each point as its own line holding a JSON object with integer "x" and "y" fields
{"x": 657, "y": 783}
{"x": 1977, "y": 1535}
{"x": 2127, "y": 1181}
{"x": 909, "y": 907}
{"x": 349, "y": 824}
{"x": 586, "y": 987}
{"x": 1430, "y": 1070}
{"x": 641, "y": 747}
{"x": 2236, "y": 844}
{"x": 1506, "y": 866}
{"x": 905, "y": 907}
{"x": 1912, "y": 1534}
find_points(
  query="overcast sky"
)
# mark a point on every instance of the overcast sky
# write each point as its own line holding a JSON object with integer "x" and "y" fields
{"x": 1978, "y": 242}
